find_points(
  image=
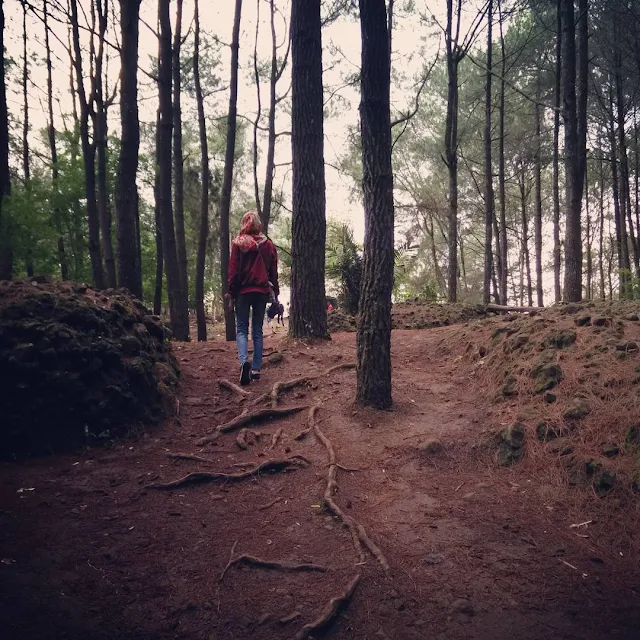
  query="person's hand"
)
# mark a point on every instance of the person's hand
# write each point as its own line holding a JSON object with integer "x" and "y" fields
{"x": 228, "y": 301}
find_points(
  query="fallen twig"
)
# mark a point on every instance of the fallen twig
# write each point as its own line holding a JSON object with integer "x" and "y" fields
{"x": 358, "y": 532}
{"x": 234, "y": 388}
{"x": 189, "y": 456}
{"x": 276, "y": 436}
{"x": 581, "y": 524}
{"x": 247, "y": 417}
{"x": 330, "y": 611}
{"x": 269, "y": 564}
{"x": 201, "y": 476}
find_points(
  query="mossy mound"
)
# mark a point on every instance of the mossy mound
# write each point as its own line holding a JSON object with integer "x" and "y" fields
{"x": 78, "y": 365}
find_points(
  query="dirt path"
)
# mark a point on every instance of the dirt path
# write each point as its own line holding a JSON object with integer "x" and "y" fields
{"x": 89, "y": 551}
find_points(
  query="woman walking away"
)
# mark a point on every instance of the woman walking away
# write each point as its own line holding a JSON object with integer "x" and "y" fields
{"x": 253, "y": 280}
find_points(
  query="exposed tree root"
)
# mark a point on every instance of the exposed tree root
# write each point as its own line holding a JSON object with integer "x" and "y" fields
{"x": 358, "y": 532}
{"x": 189, "y": 456}
{"x": 283, "y": 386}
{"x": 303, "y": 434}
{"x": 276, "y": 436}
{"x": 329, "y": 612}
{"x": 276, "y": 464}
{"x": 504, "y": 309}
{"x": 268, "y": 564}
{"x": 234, "y": 388}
{"x": 247, "y": 417}
{"x": 264, "y": 507}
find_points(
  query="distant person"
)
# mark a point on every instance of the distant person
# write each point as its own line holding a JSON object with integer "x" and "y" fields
{"x": 253, "y": 280}
{"x": 330, "y": 308}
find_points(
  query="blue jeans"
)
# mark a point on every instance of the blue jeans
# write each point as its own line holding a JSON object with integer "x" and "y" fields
{"x": 257, "y": 302}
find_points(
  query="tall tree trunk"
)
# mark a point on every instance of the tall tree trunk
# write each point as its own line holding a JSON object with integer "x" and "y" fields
{"x": 621, "y": 244}
{"x": 87, "y": 104}
{"x": 256, "y": 122}
{"x": 100, "y": 128}
{"x": 177, "y": 298}
{"x": 557, "y": 258}
{"x": 157, "y": 290}
{"x": 501, "y": 169}
{"x": 178, "y": 159}
{"x": 374, "y": 326}
{"x": 573, "y": 167}
{"x": 204, "y": 182}
{"x": 271, "y": 126}
{"x": 625, "y": 186}
{"x": 6, "y": 230}
{"x": 308, "y": 315}
{"x": 51, "y": 137}
{"x": 488, "y": 172}
{"x": 227, "y": 180}
{"x": 26, "y": 159}
{"x": 601, "y": 222}
{"x": 589, "y": 238}
{"x": 451, "y": 149}
{"x": 526, "y": 257}
{"x": 126, "y": 190}
{"x": 537, "y": 220}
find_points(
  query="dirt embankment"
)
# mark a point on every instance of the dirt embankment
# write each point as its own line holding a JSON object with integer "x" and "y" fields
{"x": 78, "y": 365}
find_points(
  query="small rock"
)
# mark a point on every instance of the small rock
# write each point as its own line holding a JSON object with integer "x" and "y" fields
{"x": 601, "y": 322}
{"x": 275, "y": 358}
{"x": 430, "y": 447}
{"x": 632, "y": 317}
{"x": 463, "y": 606}
{"x": 633, "y": 434}
{"x": 512, "y": 445}
{"x": 610, "y": 450}
{"x": 578, "y": 410}
{"x": 605, "y": 482}
{"x": 582, "y": 321}
{"x": 549, "y": 397}
{"x": 381, "y": 635}
{"x": 385, "y": 610}
{"x": 562, "y": 339}
{"x": 433, "y": 559}
{"x": 627, "y": 347}
{"x": 509, "y": 387}
{"x": 560, "y": 446}
{"x": 592, "y": 466}
{"x": 546, "y": 432}
{"x": 547, "y": 376}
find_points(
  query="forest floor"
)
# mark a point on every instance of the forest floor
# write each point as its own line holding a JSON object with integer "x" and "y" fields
{"x": 88, "y": 549}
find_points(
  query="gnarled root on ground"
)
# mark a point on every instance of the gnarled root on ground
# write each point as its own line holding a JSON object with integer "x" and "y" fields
{"x": 234, "y": 388}
{"x": 249, "y": 417}
{"x": 267, "y": 564}
{"x": 358, "y": 532}
{"x": 282, "y": 386}
{"x": 329, "y": 612}
{"x": 189, "y": 456}
{"x": 276, "y": 464}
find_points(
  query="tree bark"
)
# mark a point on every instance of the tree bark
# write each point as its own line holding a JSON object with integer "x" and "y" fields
{"x": 26, "y": 159}
{"x": 488, "y": 172}
{"x": 227, "y": 180}
{"x": 178, "y": 309}
{"x": 256, "y": 122}
{"x": 126, "y": 191}
{"x": 557, "y": 258}
{"x": 178, "y": 159}
{"x": 526, "y": 258}
{"x": 601, "y": 223}
{"x": 6, "y": 240}
{"x": 87, "y": 104}
{"x": 451, "y": 150}
{"x": 271, "y": 124}
{"x": 501, "y": 171}
{"x": 537, "y": 220}
{"x": 374, "y": 326}
{"x": 308, "y": 314}
{"x": 100, "y": 128}
{"x": 157, "y": 291}
{"x": 573, "y": 167}
{"x": 589, "y": 238}
{"x": 51, "y": 137}
{"x": 204, "y": 182}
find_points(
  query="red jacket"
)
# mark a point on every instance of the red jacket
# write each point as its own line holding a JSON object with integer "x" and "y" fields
{"x": 251, "y": 271}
